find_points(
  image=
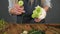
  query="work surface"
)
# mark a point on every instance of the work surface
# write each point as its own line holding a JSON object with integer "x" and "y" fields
{"x": 18, "y": 28}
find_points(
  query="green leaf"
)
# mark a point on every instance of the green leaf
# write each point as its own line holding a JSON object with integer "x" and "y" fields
{"x": 37, "y": 12}
{"x": 21, "y": 3}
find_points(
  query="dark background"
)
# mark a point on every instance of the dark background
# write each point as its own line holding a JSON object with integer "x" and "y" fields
{"x": 53, "y": 15}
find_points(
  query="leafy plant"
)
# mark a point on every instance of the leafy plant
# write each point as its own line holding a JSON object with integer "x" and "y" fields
{"x": 37, "y": 12}
{"x": 20, "y": 3}
{"x": 2, "y": 24}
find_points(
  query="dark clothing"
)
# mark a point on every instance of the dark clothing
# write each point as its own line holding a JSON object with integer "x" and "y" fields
{"x": 26, "y": 17}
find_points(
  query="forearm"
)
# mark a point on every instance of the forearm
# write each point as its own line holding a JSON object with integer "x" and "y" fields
{"x": 11, "y": 5}
{"x": 46, "y": 8}
{"x": 46, "y": 5}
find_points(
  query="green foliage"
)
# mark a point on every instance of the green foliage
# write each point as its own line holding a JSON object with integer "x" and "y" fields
{"x": 36, "y": 32}
{"x": 5, "y": 33}
{"x": 21, "y": 3}
{"x": 37, "y": 12}
{"x": 2, "y": 24}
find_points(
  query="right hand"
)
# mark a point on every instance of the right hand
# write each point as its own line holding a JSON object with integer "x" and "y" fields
{"x": 17, "y": 10}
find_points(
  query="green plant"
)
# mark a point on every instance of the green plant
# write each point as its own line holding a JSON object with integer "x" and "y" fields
{"x": 37, "y": 12}
{"x": 20, "y": 3}
{"x": 2, "y": 24}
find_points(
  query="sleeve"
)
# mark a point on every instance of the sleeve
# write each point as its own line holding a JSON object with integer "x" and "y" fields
{"x": 47, "y": 3}
{"x": 10, "y": 4}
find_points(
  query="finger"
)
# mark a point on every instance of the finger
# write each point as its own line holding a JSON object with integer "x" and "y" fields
{"x": 37, "y": 20}
{"x": 23, "y": 11}
{"x": 15, "y": 9}
{"x": 18, "y": 13}
{"x": 20, "y": 8}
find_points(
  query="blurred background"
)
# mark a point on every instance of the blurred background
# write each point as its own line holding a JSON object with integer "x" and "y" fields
{"x": 53, "y": 15}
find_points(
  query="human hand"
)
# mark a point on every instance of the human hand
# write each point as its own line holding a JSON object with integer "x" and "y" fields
{"x": 17, "y": 10}
{"x": 37, "y": 20}
{"x": 42, "y": 16}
